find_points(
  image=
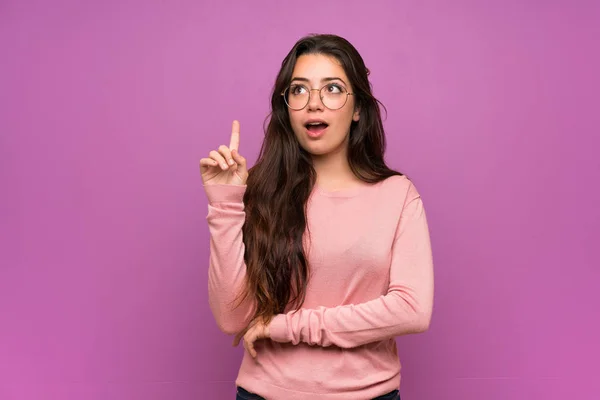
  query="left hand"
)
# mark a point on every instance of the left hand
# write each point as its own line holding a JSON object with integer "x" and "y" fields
{"x": 255, "y": 331}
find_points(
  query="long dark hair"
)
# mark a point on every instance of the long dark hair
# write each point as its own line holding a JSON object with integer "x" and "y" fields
{"x": 282, "y": 179}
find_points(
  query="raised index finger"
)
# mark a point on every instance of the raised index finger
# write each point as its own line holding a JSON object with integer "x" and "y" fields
{"x": 234, "y": 144}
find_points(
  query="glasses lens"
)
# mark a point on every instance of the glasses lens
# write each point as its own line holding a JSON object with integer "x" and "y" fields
{"x": 296, "y": 96}
{"x": 334, "y": 96}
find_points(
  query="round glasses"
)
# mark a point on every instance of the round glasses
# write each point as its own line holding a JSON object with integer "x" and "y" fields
{"x": 333, "y": 95}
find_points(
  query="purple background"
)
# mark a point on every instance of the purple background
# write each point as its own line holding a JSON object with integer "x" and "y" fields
{"x": 107, "y": 106}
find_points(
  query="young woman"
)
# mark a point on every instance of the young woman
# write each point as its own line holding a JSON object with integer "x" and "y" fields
{"x": 320, "y": 254}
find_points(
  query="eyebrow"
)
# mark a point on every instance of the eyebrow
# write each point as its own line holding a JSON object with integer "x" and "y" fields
{"x": 328, "y": 79}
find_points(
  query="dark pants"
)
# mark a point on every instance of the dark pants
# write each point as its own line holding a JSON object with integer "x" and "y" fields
{"x": 243, "y": 394}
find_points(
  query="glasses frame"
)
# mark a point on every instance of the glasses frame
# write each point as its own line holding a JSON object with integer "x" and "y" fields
{"x": 320, "y": 97}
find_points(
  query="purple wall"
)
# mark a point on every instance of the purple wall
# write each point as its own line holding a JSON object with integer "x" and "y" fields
{"x": 106, "y": 108}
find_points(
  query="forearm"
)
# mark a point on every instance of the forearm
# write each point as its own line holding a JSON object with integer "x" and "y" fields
{"x": 227, "y": 269}
{"x": 397, "y": 313}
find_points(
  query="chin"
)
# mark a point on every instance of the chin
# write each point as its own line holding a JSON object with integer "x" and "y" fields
{"x": 318, "y": 151}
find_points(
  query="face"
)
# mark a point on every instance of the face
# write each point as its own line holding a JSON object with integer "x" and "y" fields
{"x": 320, "y": 130}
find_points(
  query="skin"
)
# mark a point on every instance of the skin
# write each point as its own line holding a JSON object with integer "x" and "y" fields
{"x": 329, "y": 151}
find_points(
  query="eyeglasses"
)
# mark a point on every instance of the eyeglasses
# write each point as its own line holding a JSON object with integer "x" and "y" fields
{"x": 333, "y": 95}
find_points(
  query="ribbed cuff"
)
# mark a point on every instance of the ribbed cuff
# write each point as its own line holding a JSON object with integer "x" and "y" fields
{"x": 278, "y": 329}
{"x": 223, "y": 193}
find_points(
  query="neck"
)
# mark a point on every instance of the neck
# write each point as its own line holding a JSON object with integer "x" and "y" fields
{"x": 333, "y": 170}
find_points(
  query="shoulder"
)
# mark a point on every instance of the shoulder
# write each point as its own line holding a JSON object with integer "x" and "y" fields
{"x": 399, "y": 186}
{"x": 397, "y": 195}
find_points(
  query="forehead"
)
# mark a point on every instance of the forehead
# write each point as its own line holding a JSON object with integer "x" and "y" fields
{"x": 318, "y": 66}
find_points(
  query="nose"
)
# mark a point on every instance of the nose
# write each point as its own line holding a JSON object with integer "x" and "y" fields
{"x": 314, "y": 100}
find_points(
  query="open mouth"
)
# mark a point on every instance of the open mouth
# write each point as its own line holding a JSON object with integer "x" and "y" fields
{"x": 316, "y": 127}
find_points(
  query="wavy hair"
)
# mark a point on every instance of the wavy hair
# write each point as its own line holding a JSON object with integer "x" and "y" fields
{"x": 280, "y": 182}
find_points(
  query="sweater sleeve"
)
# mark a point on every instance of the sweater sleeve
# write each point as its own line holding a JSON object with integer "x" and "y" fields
{"x": 405, "y": 308}
{"x": 227, "y": 269}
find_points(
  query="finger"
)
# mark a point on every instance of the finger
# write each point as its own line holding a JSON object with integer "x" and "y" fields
{"x": 242, "y": 334}
{"x": 234, "y": 144}
{"x": 208, "y": 162}
{"x": 226, "y": 153}
{"x": 250, "y": 347}
{"x": 241, "y": 161}
{"x": 219, "y": 158}
{"x": 249, "y": 342}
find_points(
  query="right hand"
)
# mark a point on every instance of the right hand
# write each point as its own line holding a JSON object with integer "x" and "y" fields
{"x": 225, "y": 166}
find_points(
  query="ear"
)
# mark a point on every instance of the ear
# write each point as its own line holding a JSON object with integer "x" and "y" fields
{"x": 356, "y": 115}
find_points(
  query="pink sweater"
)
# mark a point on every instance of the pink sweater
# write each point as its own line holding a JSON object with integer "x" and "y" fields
{"x": 371, "y": 279}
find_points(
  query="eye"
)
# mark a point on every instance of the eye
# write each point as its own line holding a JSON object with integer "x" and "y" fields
{"x": 297, "y": 90}
{"x": 335, "y": 88}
